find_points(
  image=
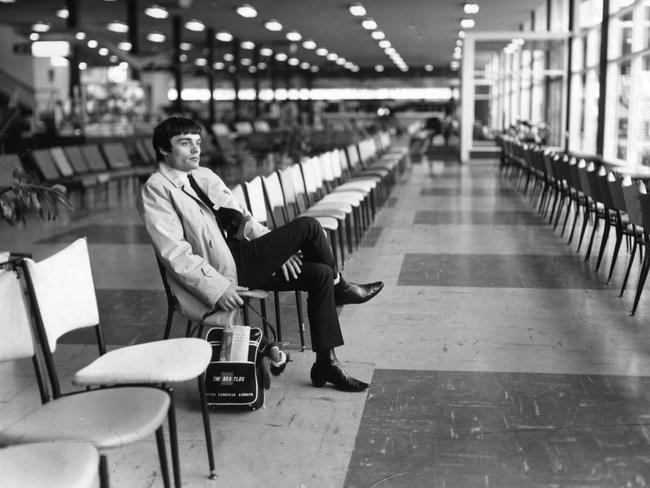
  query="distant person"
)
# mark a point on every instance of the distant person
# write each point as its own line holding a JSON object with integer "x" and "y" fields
{"x": 212, "y": 247}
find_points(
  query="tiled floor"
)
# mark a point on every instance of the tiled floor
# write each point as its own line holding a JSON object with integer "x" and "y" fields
{"x": 498, "y": 357}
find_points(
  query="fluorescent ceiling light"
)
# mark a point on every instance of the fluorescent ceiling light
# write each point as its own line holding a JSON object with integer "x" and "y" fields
{"x": 103, "y": 51}
{"x": 281, "y": 57}
{"x": 34, "y": 36}
{"x": 369, "y": 24}
{"x": 357, "y": 10}
{"x": 471, "y": 8}
{"x": 195, "y": 25}
{"x": 223, "y": 36}
{"x": 304, "y": 65}
{"x": 340, "y": 61}
{"x": 246, "y": 61}
{"x": 63, "y": 13}
{"x": 378, "y": 35}
{"x": 247, "y": 45}
{"x": 321, "y": 51}
{"x": 252, "y": 69}
{"x": 201, "y": 62}
{"x": 182, "y": 58}
{"x": 80, "y": 36}
{"x": 247, "y": 11}
{"x": 293, "y": 61}
{"x": 273, "y": 25}
{"x": 228, "y": 57}
{"x": 428, "y": 67}
{"x": 309, "y": 44}
{"x": 454, "y": 65}
{"x": 156, "y": 37}
{"x": 117, "y": 26}
{"x": 332, "y": 56}
{"x": 384, "y": 43}
{"x": 92, "y": 44}
{"x": 461, "y": 34}
{"x": 156, "y": 12}
{"x": 41, "y": 27}
{"x": 379, "y": 68}
{"x": 49, "y": 49}
{"x": 265, "y": 51}
{"x": 124, "y": 46}
{"x": 185, "y": 46}
{"x": 261, "y": 65}
{"x": 467, "y": 23}
{"x": 83, "y": 66}
{"x": 314, "y": 69}
{"x": 218, "y": 65}
{"x": 113, "y": 58}
{"x": 293, "y": 36}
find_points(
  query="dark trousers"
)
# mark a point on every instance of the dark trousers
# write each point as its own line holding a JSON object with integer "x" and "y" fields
{"x": 259, "y": 265}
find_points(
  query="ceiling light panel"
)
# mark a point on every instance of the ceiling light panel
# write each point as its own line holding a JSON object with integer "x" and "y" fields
{"x": 247, "y": 11}
{"x": 156, "y": 12}
{"x": 357, "y": 10}
{"x": 273, "y": 25}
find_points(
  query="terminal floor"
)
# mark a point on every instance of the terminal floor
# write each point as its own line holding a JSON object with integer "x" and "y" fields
{"x": 498, "y": 357}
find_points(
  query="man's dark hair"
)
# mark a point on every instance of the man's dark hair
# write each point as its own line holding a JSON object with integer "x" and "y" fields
{"x": 168, "y": 128}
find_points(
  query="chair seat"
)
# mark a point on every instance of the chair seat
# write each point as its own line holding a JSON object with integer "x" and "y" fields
{"x": 328, "y": 210}
{"x": 351, "y": 198}
{"x": 108, "y": 418}
{"x": 152, "y": 362}
{"x": 51, "y": 464}
{"x": 360, "y": 185}
{"x": 329, "y": 223}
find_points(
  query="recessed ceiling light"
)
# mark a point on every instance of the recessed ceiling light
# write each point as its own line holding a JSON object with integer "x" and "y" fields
{"x": 293, "y": 61}
{"x": 261, "y": 65}
{"x": 118, "y": 26}
{"x": 80, "y": 36}
{"x": 41, "y": 27}
{"x": 247, "y": 45}
{"x": 293, "y": 36}
{"x": 281, "y": 56}
{"x": 195, "y": 25}
{"x": 273, "y": 25}
{"x": 201, "y": 62}
{"x": 265, "y": 51}
{"x": 390, "y": 51}
{"x": 83, "y": 66}
{"x": 467, "y": 23}
{"x": 218, "y": 65}
{"x": 92, "y": 44}
{"x": 113, "y": 58}
{"x": 321, "y": 51}
{"x": 124, "y": 46}
{"x": 379, "y": 68}
{"x": 185, "y": 46}
{"x": 459, "y": 42}
{"x": 341, "y": 61}
{"x": 228, "y": 57}
{"x": 471, "y": 8}
{"x": 247, "y": 11}
{"x": 332, "y": 56}
{"x": 63, "y": 13}
{"x": 309, "y": 44}
{"x": 252, "y": 69}
{"x": 156, "y": 12}
{"x": 223, "y": 36}
{"x": 369, "y": 24}
{"x": 428, "y": 67}
{"x": 156, "y": 37}
{"x": 246, "y": 61}
{"x": 103, "y": 51}
{"x": 378, "y": 35}
{"x": 354, "y": 69}
{"x": 34, "y": 36}
{"x": 454, "y": 65}
{"x": 384, "y": 43}
{"x": 357, "y": 10}
{"x": 182, "y": 58}
{"x": 314, "y": 69}
{"x": 304, "y": 65}
{"x": 461, "y": 34}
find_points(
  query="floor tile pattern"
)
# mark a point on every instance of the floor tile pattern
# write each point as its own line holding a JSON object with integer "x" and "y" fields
{"x": 447, "y": 217}
{"x": 507, "y": 430}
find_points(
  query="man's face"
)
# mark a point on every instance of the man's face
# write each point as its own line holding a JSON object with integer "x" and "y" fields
{"x": 185, "y": 152}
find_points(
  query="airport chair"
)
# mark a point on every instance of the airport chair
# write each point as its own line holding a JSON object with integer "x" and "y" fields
{"x": 623, "y": 227}
{"x": 633, "y": 208}
{"x": 609, "y": 211}
{"x": 644, "y": 204}
{"x": 257, "y": 206}
{"x": 278, "y": 197}
{"x": 62, "y": 292}
{"x": 61, "y": 464}
{"x": 106, "y": 418}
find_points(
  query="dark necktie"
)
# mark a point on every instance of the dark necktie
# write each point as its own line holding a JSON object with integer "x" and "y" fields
{"x": 229, "y": 220}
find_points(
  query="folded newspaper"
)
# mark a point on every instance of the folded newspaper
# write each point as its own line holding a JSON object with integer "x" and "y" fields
{"x": 236, "y": 340}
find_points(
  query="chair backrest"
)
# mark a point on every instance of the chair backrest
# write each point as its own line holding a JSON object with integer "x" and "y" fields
{"x": 584, "y": 179}
{"x": 644, "y": 203}
{"x": 8, "y": 164}
{"x": 45, "y": 164}
{"x": 116, "y": 155}
{"x": 592, "y": 180}
{"x": 311, "y": 176}
{"x": 63, "y": 292}
{"x": 605, "y": 193}
{"x": 631, "y": 196}
{"x": 275, "y": 198}
{"x": 240, "y": 195}
{"x": 94, "y": 158}
{"x": 15, "y": 337}
{"x": 76, "y": 159}
{"x": 574, "y": 175}
{"x": 61, "y": 161}
{"x": 615, "y": 184}
{"x": 352, "y": 158}
{"x": 255, "y": 193}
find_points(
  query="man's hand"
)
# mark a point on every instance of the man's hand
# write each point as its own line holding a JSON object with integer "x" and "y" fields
{"x": 230, "y": 300}
{"x": 292, "y": 268}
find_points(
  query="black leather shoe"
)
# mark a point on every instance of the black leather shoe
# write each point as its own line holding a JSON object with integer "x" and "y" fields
{"x": 322, "y": 373}
{"x": 346, "y": 293}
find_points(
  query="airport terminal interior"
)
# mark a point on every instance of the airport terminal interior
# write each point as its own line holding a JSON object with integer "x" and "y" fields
{"x": 487, "y": 160}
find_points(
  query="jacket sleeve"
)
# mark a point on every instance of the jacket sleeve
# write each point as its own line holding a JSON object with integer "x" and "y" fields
{"x": 165, "y": 227}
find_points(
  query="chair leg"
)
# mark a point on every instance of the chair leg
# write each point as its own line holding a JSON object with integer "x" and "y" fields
{"x": 170, "y": 317}
{"x": 603, "y": 243}
{"x": 188, "y": 329}
{"x": 162, "y": 455}
{"x": 206, "y": 427}
{"x": 301, "y": 320}
{"x": 617, "y": 247}
{"x": 629, "y": 267}
{"x": 594, "y": 229}
{"x": 173, "y": 438}
{"x": 103, "y": 472}
{"x": 641, "y": 283}
{"x": 278, "y": 316}
{"x": 585, "y": 222}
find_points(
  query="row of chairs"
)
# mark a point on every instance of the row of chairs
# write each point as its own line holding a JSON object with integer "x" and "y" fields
{"x": 588, "y": 193}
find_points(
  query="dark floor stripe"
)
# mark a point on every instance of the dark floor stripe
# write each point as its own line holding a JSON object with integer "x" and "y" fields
{"x": 468, "y": 192}
{"x": 498, "y": 271}
{"x": 450, "y": 217}
{"x": 371, "y": 237}
{"x": 506, "y": 430}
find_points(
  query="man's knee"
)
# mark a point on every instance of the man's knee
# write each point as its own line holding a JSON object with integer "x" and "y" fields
{"x": 318, "y": 274}
{"x": 309, "y": 225}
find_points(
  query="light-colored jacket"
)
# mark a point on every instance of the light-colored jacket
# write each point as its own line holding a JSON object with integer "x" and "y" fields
{"x": 187, "y": 239}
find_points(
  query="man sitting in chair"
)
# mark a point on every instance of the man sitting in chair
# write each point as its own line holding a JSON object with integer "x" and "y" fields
{"x": 212, "y": 248}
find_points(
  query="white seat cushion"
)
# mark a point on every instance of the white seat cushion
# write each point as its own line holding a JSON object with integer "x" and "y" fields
{"x": 152, "y": 362}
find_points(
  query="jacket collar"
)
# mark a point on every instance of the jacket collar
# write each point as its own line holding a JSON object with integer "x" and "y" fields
{"x": 176, "y": 177}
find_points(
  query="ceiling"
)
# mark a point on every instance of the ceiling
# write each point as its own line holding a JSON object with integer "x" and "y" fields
{"x": 423, "y": 32}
